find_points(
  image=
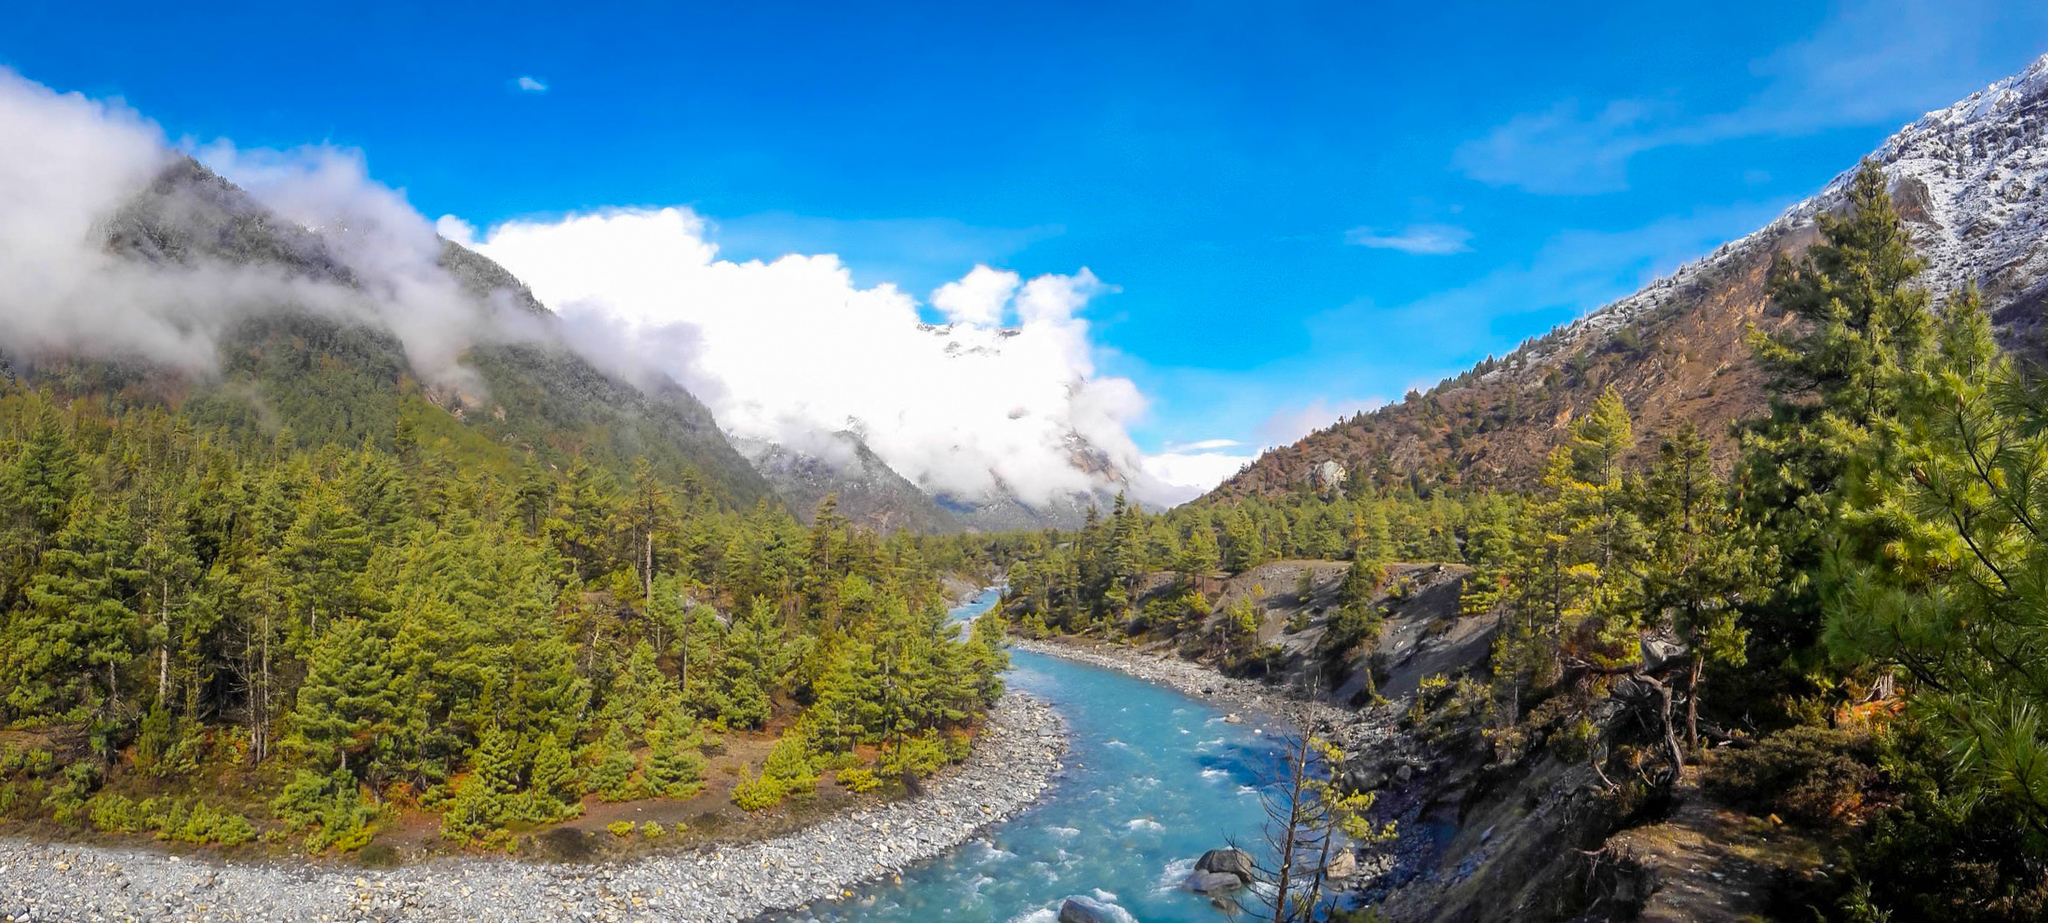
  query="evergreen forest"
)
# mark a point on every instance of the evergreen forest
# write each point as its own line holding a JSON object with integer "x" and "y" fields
{"x": 210, "y": 635}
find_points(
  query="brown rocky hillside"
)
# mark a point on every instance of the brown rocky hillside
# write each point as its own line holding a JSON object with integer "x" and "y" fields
{"x": 1972, "y": 180}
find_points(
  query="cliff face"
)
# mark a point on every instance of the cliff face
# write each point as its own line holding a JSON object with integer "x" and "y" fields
{"x": 870, "y": 493}
{"x": 1971, "y": 180}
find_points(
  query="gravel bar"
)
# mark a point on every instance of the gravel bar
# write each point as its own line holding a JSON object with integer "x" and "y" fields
{"x": 1012, "y": 766}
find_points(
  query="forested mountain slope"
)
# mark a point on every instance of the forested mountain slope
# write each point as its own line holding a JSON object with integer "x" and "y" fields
{"x": 1972, "y": 182}
{"x": 518, "y": 393}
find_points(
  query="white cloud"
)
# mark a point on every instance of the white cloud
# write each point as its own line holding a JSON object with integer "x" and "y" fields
{"x": 1006, "y": 398}
{"x": 1872, "y": 62}
{"x": 1190, "y": 474}
{"x": 530, "y": 85}
{"x": 978, "y": 298}
{"x": 455, "y": 229}
{"x": 1208, "y": 445}
{"x": 1421, "y": 239}
{"x": 786, "y": 349}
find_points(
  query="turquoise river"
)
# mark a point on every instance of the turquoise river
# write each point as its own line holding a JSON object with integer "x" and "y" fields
{"x": 1152, "y": 779}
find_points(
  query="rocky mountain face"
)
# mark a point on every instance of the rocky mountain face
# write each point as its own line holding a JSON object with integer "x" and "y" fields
{"x": 1972, "y": 182}
{"x": 1004, "y": 511}
{"x": 872, "y": 494}
{"x": 869, "y": 492}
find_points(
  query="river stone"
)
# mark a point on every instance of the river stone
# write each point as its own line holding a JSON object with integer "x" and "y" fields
{"x": 1088, "y": 910}
{"x": 1212, "y": 882}
{"x": 1229, "y": 862}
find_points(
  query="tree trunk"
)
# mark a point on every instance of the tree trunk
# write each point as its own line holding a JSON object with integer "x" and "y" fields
{"x": 163, "y": 651}
{"x": 262, "y": 722}
{"x": 1692, "y": 701}
{"x": 1676, "y": 752}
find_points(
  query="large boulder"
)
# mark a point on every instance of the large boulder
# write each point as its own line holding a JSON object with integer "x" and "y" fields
{"x": 1229, "y": 862}
{"x": 1359, "y": 778}
{"x": 1342, "y": 865}
{"x": 1659, "y": 653}
{"x": 1088, "y": 910}
{"x": 1212, "y": 882}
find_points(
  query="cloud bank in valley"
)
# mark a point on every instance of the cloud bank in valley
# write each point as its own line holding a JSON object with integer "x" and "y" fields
{"x": 1004, "y": 396}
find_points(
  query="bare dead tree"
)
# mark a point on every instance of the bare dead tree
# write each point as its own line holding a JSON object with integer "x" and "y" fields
{"x": 1309, "y": 820}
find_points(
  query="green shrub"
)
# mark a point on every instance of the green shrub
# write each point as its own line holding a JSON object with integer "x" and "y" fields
{"x": 183, "y": 820}
{"x": 620, "y": 828}
{"x": 920, "y": 756}
{"x": 1575, "y": 741}
{"x": 612, "y": 778}
{"x": 166, "y": 746}
{"x": 329, "y": 809}
{"x": 860, "y": 781}
{"x": 755, "y": 793}
{"x": 112, "y": 813}
{"x": 233, "y": 830}
{"x": 652, "y": 830}
{"x": 1812, "y": 775}
{"x": 66, "y": 799}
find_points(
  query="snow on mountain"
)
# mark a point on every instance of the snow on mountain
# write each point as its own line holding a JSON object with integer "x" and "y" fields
{"x": 1973, "y": 180}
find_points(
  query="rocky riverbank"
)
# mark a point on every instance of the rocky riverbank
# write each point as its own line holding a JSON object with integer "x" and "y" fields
{"x": 1012, "y": 766}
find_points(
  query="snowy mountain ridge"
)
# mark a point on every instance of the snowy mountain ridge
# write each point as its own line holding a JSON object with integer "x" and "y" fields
{"x": 1972, "y": 178}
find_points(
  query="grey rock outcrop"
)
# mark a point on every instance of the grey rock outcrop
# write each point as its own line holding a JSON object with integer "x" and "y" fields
{"x": 1088, "y": 910}
{"x": 1234, "y": 862}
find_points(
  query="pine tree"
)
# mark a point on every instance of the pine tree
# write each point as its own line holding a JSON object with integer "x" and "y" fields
{"x": 675, "y": 767}
{"x": 346, "y": 701}
{"x": 1198, "y": 555}
{"x": 36, "y": 492}
{"x": 323, "y": 557}
{"x": 1702, "y": 562}
{"x": 553, "y": 789}
{"x": 1860, "y": 321}
{"x": 1955, "y": 598}
{"x": 69, "y": 645}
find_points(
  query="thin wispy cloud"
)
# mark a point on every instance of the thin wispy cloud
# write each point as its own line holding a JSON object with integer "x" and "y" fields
{"x": 1573, "y": 273}
{"x": 530, "y": 85}
{"x": 1420, "y": 239}
{"x": 1872, "y": 62}
{"x": 1290, "y": 423}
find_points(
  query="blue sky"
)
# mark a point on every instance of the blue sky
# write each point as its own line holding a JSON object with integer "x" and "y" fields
{"x": 1302, "y": 208}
